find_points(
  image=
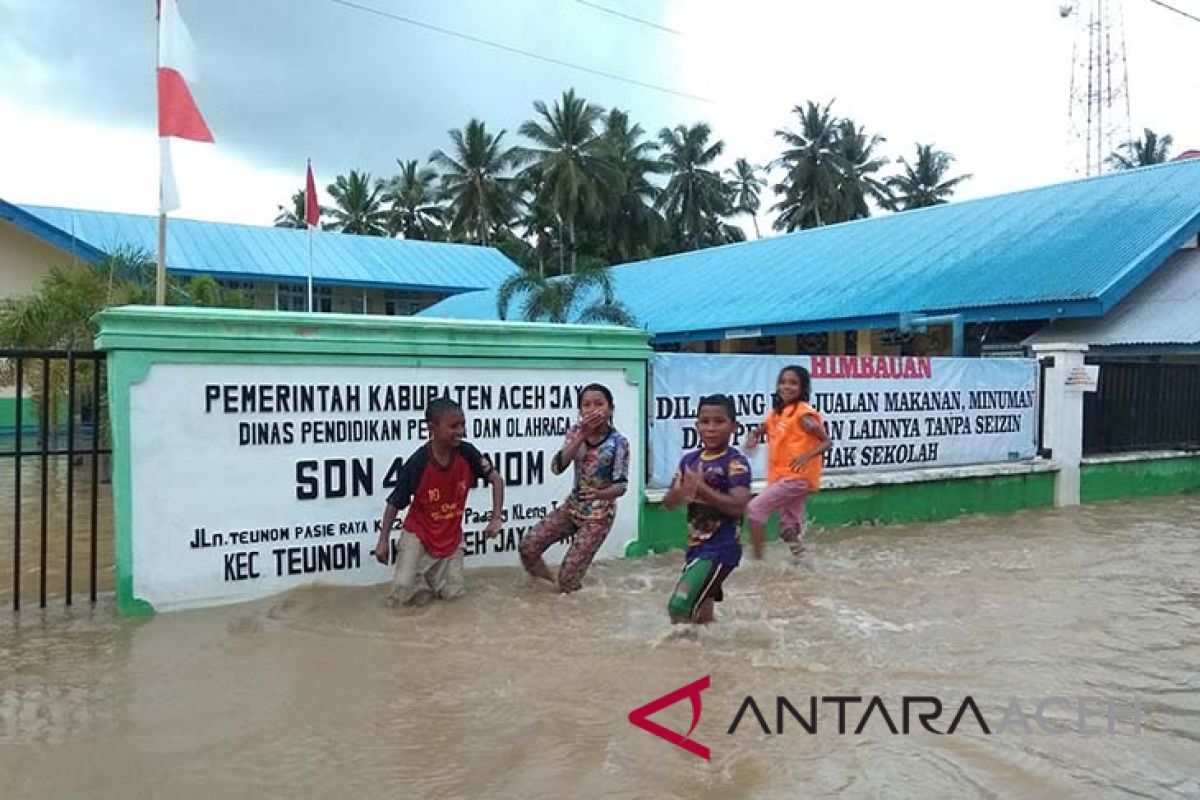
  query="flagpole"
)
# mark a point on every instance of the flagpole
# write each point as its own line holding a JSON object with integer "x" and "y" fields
{"x": 160, "y": 277}
{"x": 310, "y": 268}
{"x": 160, "y": 286}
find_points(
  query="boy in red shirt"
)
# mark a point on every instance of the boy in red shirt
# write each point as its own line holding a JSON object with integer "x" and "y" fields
{"x": 436, "y": 480}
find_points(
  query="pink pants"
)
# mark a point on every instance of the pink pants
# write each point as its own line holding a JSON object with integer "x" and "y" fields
{"x": 788, "y": 497}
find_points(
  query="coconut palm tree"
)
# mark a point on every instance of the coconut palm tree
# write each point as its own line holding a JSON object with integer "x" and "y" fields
{"x": 1150, "y": 149}
{"x": 566, "y": 162}
{"x": 923, "y": 182}
{"x": 694, "y": 192}
{"x": 475, "y": 182}
{"x": 542, "y": 230}
{"x": 556, "y": 299}
{"x": 357, "y": 206}
{"x": 858, "y": 166}
{"x": 631, "y": 226}
{"x": 292, "y": 217}
{"x": 812, "y": 163}
{"x": 412, "y": 199}
{"x": 746, "y": 182}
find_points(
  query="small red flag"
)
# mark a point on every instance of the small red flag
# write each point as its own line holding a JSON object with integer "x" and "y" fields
{"x": 312, "y": 211}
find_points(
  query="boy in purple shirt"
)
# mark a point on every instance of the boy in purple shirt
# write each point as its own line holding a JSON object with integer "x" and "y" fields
{"x": 714, "y": 481}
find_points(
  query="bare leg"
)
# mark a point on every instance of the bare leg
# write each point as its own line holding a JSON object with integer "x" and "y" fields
{"x": 757, "y": 538}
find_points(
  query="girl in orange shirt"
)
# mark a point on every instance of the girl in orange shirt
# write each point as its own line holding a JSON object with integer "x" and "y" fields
{"x": 796, "y": 441}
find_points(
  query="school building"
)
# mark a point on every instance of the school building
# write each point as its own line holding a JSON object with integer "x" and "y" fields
{"x": 1002, "y": 267}
{"x": 351, "y": 274}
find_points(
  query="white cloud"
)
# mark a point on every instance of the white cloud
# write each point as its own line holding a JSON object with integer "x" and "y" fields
{"x": 49, "y": 160}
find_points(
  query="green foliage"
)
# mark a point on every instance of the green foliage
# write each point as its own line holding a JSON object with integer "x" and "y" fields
{"x": 1150, "y": 149}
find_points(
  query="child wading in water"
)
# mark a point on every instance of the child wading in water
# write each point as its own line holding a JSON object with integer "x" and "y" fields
{"x": 796, "y": 442}
{"x": 714, "y": 481}
{"x": 435, "y": 481}
{"x": 600, "y": 456}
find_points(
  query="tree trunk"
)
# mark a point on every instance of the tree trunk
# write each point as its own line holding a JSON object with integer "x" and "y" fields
{"x": 574, "y": 248}
{"x": 561, "y": 265}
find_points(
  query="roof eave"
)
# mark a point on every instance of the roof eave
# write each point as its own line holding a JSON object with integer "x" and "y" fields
{"x": 50, "y": 234}
{"x": 1147, "y": 263}
{"x": 1056, "y": 309}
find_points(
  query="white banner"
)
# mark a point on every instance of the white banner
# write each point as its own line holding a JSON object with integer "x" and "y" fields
{"x": 253, "y": 479}
{"x": 882, "y": 412}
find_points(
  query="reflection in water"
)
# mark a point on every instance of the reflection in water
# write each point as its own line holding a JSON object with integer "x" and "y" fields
{"x": 517, "y": 692}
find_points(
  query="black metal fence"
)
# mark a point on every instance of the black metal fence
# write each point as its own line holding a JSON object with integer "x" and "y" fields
{"x": 1143, "y": 406}
{"x": 53, "y": 455}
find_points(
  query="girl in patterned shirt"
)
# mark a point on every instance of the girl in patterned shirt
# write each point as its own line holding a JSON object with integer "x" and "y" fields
{"x": 600, "y": 456}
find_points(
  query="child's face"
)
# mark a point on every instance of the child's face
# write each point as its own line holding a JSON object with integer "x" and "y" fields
{"x": 594, "y": 404}
{"x": 715, "y": 428}
{"x": 449, "y": 429}
{"x": 788, "y": 387}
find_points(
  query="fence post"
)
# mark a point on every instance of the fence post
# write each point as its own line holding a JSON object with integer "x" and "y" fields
{"x": 1062, "y": 419}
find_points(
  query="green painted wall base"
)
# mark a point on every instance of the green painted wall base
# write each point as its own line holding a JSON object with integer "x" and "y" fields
{"x": 926, "y": 501}
{"x": 1119, "y": 480}
{"x": 931, "y": 501}
{"x": 31, "y": 415}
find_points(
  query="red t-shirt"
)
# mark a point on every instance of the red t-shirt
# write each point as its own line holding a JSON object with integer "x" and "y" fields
{"x": 438, "y": 495}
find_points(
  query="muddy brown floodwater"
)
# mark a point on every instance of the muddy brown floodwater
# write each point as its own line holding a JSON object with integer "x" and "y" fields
{"x": 517, "y": 692}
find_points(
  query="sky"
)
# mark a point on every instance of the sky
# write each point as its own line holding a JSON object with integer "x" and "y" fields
{"x": 285, "y": 80}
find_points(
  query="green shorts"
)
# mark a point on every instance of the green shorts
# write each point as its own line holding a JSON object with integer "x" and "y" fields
{"x": 701, "y": 581}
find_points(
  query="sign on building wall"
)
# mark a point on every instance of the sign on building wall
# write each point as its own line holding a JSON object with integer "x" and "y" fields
{"x": 253, "y": 479}
{"x": 883, "y": 413}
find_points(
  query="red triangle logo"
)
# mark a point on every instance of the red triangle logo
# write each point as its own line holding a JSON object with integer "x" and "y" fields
{"x": 641, "y": 717}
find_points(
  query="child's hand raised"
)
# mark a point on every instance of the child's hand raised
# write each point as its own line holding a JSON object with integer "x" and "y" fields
{"x": 753, "y": 438}
{"x": 573, "y": 439}
{"x": 493, "y": 527}
{"x": 592, "y": 418}
{"x": 690, "y": 481}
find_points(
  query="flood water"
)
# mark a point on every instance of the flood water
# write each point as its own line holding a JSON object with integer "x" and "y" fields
{"x": 517, "y": 692}
{"x": 77, "y": 526}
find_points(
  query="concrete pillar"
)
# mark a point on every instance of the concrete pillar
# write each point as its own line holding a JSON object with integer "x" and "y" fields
{"x": 1062, "y": 417}
{"x": 864, "y": 342}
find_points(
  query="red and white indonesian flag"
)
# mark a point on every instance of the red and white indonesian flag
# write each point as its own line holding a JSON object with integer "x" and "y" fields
{"x": 178, "y": 115}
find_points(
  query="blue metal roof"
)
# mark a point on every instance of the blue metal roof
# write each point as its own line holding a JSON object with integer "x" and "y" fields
{"x": 252, "y": 252}
{"x": 1072, "y": 249}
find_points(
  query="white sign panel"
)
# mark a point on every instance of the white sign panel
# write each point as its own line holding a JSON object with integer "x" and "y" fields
{"x": 1084, "y": 378}
{"x": 883, "y": 413}
{"x": 248, "y": 480}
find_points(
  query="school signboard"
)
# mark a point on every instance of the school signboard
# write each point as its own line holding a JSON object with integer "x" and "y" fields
{"x": 243, "y": 474}
{"x": 882, "y": 412}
